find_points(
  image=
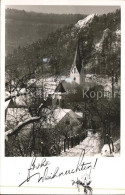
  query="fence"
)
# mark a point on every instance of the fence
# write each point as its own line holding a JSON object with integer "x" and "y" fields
{"x": 64, "y": 144}
{"x": 72, "y": 141}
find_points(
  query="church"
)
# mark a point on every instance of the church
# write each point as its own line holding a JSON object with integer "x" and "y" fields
{"x": 76, "y": 77}
{"x": 78, "y": 71}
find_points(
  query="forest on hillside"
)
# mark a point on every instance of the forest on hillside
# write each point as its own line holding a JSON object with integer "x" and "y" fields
{"x": 60, "y": 46}
{"x": 26, "y": 27}
{"x": 43, "y": 17}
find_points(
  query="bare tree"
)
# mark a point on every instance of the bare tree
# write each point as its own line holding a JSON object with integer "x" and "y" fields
{"x": 36, "y": 107}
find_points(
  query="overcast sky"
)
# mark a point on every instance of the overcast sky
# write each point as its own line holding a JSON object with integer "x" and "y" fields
{"x": 65, "y": 9}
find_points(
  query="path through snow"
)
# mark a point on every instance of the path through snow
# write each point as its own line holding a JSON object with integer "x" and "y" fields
{"x": 92, "y": 145}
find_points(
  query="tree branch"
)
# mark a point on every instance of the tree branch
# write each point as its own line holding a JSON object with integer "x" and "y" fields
{"x": 21, "y": 125}
{"x": 13, "y": 96}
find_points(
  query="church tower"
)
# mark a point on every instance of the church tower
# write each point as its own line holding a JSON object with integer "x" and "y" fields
{"x": 77, "y": 69}
{"x": 74, "y": 73}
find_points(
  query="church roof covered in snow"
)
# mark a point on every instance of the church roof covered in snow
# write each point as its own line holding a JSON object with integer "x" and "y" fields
{"x": 66, "y": 85}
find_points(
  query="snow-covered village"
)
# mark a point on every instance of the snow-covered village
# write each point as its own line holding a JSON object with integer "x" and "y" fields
{"x": 62, "y": 90}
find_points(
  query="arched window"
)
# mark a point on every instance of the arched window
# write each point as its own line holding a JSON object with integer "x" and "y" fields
{"x": 74, "y": 78}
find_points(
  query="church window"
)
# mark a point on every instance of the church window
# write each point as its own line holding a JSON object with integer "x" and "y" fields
{"x": 74, "y": 78}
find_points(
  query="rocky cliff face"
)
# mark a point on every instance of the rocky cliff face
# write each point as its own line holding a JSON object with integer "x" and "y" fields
{"x": 85, "y": 22}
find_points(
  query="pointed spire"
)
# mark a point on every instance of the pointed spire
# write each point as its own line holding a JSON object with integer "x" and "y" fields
{"x": 79, "y": 56}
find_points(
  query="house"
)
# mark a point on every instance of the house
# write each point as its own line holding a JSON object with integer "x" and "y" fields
{"x": 61, "y": 117}
{"x": 64, "y": 115}
{"x": 16, "y": 110}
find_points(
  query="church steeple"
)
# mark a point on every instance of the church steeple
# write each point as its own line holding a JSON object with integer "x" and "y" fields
{"x": 76, "y": 72}
{"x": 79, "y": 57}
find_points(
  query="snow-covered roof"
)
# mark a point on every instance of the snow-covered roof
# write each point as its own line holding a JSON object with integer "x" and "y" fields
{"x": 58, "y": 114}
{"x": 80, "y": 114}
{"x": 67, "y": 86}
{"x": 19, "y": 101}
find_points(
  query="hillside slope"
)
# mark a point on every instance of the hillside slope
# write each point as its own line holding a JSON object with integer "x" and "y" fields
{"x": 26, "y": 27}
{"x": 100, "y": 44}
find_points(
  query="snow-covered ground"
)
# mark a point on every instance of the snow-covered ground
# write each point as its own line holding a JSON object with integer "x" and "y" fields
{"x": 92, "y": 145}
{"x": 105, "y": 152}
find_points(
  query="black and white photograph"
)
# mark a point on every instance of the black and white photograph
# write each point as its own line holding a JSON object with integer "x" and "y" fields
{"x": 62, "y": 80}
{"x": 62, "y": 95}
